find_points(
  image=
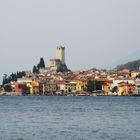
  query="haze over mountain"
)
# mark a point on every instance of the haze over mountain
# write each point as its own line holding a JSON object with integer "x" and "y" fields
{"x": 131, "y": 65}
{"x": 124, "y": 59}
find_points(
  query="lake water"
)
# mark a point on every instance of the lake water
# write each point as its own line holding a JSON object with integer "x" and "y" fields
{"x": 69, "y": 118}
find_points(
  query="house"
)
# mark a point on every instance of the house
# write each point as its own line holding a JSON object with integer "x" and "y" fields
{"x": 126, "y": 80}
{"x": 125, "y": 88}
{"x": 81, "y": 84}
{"x": 35, "y": 87}
{"x": 106, "y": 87}
{"x": 51, "y": 86}
{"x": 137, "y": 85}
{"x": 134, "y": 74}
{"x": 25, "y": 85}
{"x": 68, "y": 86}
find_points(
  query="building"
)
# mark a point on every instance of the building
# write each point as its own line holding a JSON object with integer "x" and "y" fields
{"x": 68, "y": 86}
{"x": 51, "y": 87}
{"x": 24, "y": 85}
{"x": 24, "y": 80}
{"x": 106, "y": 87}
{"x": 134, "y": 74}
{"x": 116, "y": 81}
{"x": 58, "y": 63}
{"x": 81, "y": 85}
{"x": 60, "y": 54}
{"x": 137, "y": 86}
{"x": 124, "y": 88}
{"x": 55, "y": 64}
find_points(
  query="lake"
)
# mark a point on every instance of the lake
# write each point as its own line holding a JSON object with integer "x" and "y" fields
{"x": 69, "y": 118}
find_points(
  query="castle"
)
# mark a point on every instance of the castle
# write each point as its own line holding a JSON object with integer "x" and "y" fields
{"x": 58, "y": 63}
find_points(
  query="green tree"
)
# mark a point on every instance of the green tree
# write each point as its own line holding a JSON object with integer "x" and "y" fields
{"x": 114, "y": 89}
{"x": 42, "y": 63}
{"x": 4, "y": 79}
{"x": 38, "y": 66}
{"x": 94, "y": 85}
{"x": 8, "y": 88}
{"x": 12, "y": 77}
{"x": 90, "y": 86}
{"x": 35, "y": 69}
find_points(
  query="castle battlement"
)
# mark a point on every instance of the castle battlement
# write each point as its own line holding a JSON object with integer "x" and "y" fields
{"x": 60, "y": 54}
{"x": 58, "y": 63}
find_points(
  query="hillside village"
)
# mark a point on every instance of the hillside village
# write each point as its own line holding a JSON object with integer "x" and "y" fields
{"x": 57, "y": 79}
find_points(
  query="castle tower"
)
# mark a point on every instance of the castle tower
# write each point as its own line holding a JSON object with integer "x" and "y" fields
{"x": 60, "y": 54}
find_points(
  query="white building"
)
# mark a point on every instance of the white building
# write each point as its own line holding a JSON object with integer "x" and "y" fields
{"x": 24, "y": 80}
{"x": 138, "y": 85}
{"x": 68, "y": 87}
{"x": 116, "y": 81}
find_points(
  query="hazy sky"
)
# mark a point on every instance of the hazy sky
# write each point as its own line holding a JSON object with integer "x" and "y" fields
{"x": 96, "y": 33}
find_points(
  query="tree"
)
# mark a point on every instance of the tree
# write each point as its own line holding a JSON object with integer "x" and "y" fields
{"x": 4, "y": 79}
{"x": 12, "y": 77}
{"x": 90, "y": 86}
{"x": 42, "y": 63}
{"x": 94, "y": 85}
{"x": 8, "y": 88}
{"x": 38, "y": 66}
{"x": 35, "y": 69}
{"x": 115, "y": 89}
{"x": 21, "y": 74}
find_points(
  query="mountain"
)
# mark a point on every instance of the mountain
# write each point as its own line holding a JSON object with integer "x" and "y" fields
{"x": 132, "y": 56}
{"x": 132, "y": 65}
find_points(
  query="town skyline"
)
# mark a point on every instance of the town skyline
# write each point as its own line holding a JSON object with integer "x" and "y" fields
{"x": 98, "y": 34}
{"x": 122, "y": 60}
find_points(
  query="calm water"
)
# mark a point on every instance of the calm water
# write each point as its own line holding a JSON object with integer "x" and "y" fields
{"x": 69, "y": 118}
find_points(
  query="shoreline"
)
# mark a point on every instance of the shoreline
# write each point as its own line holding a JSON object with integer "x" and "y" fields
{"x": 80, "y": 95}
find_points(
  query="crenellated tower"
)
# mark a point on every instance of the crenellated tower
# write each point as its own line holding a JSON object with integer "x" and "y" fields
{"x": 60, "y": 54}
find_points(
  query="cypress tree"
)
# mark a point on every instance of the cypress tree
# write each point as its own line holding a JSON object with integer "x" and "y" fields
{"x": 42, "y": 63}
{"x": 35, "y": 69}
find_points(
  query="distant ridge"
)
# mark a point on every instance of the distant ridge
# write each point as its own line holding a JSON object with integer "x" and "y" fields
{"x": 132, "y": 65}
{"x": 133, "y": 56}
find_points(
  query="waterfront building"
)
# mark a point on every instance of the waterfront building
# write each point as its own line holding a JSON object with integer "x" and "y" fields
{"x": 116, "y": 81}
{"x": 124, "y": 88}
{"x": 25, "y": 85}
{"x": 134, "y": 74}
{"x": 137, "y": 86}
{"x": 106, "y": 86}
{"x": 81, "y": 84}
{"x": 51, "y": 87}
{"x": 35, "y": 87}
{"x": 68, "y": 86}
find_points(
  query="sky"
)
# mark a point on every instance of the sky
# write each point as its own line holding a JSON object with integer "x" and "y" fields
{"x": 95, "y": 33}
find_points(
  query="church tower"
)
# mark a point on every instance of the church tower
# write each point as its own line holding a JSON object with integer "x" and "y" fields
{"x": 60, "y": 54}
